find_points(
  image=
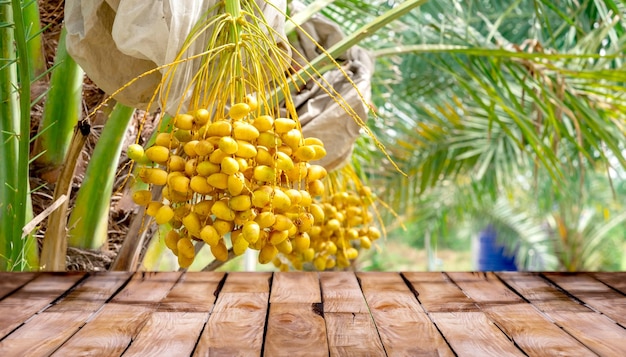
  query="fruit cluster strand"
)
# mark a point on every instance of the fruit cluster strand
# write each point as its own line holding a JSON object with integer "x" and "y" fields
{"x": 235, "y": 171}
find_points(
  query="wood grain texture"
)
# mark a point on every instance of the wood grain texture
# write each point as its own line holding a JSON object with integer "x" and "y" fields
{"x": 46, "y": 331}
{"x": 92, "y": 292}
{"x": 595, "y": 331}
{"x": 294, "y": 326}
{"x": 389, "y": 282}
{"x": 236, "y": 325}
{"x": 404, "y": 328}
{"x": 232, "y": 333}
{"x": 10, "y": 282}
{"x": 341, "y": 293}
{"x": 338, "y": 314}
{"x": 437, "y": 293}
{"x": 533, "y": 333}
{"x": 617, "y": 280}
{"x": 109, "y": 333}
{"x": 296, "y": 287}
{"x": 295, "y": 329}
{"x": 43, "y": 334}
{"x": 541, "y": 293}
{"x": 33, "y": 297}
{"x": 594, "y": 293}
{"x": 484, "y": 288}
{"x": 530, "y": 330}
{"x": 146, "y": 288}
{"x": 244, "y": 282}
{"x": 473, "y": 334}
{"x": 387, "y": 291}
{"x": 352, "y": 334}
{"x": 194, "y": 292}
{"x": 245, "y": 302}
{"x": 168, "y": 333}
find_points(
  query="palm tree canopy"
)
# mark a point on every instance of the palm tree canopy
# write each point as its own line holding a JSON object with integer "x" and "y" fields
{"x": 513, "y": 111}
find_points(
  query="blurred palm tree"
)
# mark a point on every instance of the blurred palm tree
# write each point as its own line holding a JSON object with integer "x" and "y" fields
{"x": 511, "y": 112}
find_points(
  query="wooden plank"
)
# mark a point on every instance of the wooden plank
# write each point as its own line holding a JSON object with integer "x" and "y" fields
{"x": 617, "y": 280}
{"x": 408, "y": 333}
{"x": 437, "y": 293}
{"x": 10, "y": 282}
{"x": 485, "y": 288}
{"x": 385, "y": 291}
{"x": 235, "y": 327}
{"x": 245, "y": 282}
{"x": 471, "y": 333}
{"x": 194, "y": 292}
{"x": 33, "y": 297}
{"x": 404, "y": 328}
{"x": 595, "y": 331}
{"x": 540, "y": 293}
{"x": 46, "y": 331}
{"x": 389, "y": 282}
{"x": 92, "y": 292}
{"x": 521, "y": 322}
{"x": 533, "y": 333}
{"x": 295, "y": 329}
{"x": 232, "y": 333}
{"x": 168, "y": 333}
{"x": 43, "y": 334}
{"x": 296, "y": 315}
{"x": 352, "y": 334}
{"x": 166, "y": 313}
{"x": 245, "y": 302}
{"x": 147, "y": 288}
{"x": 341, "y": 293}
{"x": 300, "y": 287}
{"x": 237, "y": 295}
{"x": 349, "y": 326}
{"x": 593, "y": 293}
{"x": 111, "y": 331}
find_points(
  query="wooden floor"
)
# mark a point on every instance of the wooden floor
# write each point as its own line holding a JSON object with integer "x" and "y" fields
{"x": 311, "y": 314}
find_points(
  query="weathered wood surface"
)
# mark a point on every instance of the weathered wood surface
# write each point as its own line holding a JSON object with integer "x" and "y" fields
{"x": 236, "y": 323}
{"x": 295, "y": 326}
{"x": 312, "y": 314}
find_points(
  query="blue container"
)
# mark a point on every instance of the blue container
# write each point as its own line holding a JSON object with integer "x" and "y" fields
{"x": 492, "y": 255}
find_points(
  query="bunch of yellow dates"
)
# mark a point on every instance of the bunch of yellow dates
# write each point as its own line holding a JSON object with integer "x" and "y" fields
{"x": 248, "y": 178}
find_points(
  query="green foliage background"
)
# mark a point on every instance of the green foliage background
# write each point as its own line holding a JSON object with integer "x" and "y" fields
{"x": 504, "y": 113}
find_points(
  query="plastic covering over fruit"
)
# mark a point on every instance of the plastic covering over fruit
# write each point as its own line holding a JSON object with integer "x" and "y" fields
{"x": 115, "y": 41}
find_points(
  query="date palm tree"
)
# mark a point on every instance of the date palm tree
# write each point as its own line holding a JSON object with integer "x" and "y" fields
{"x": 513, "y": 111}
